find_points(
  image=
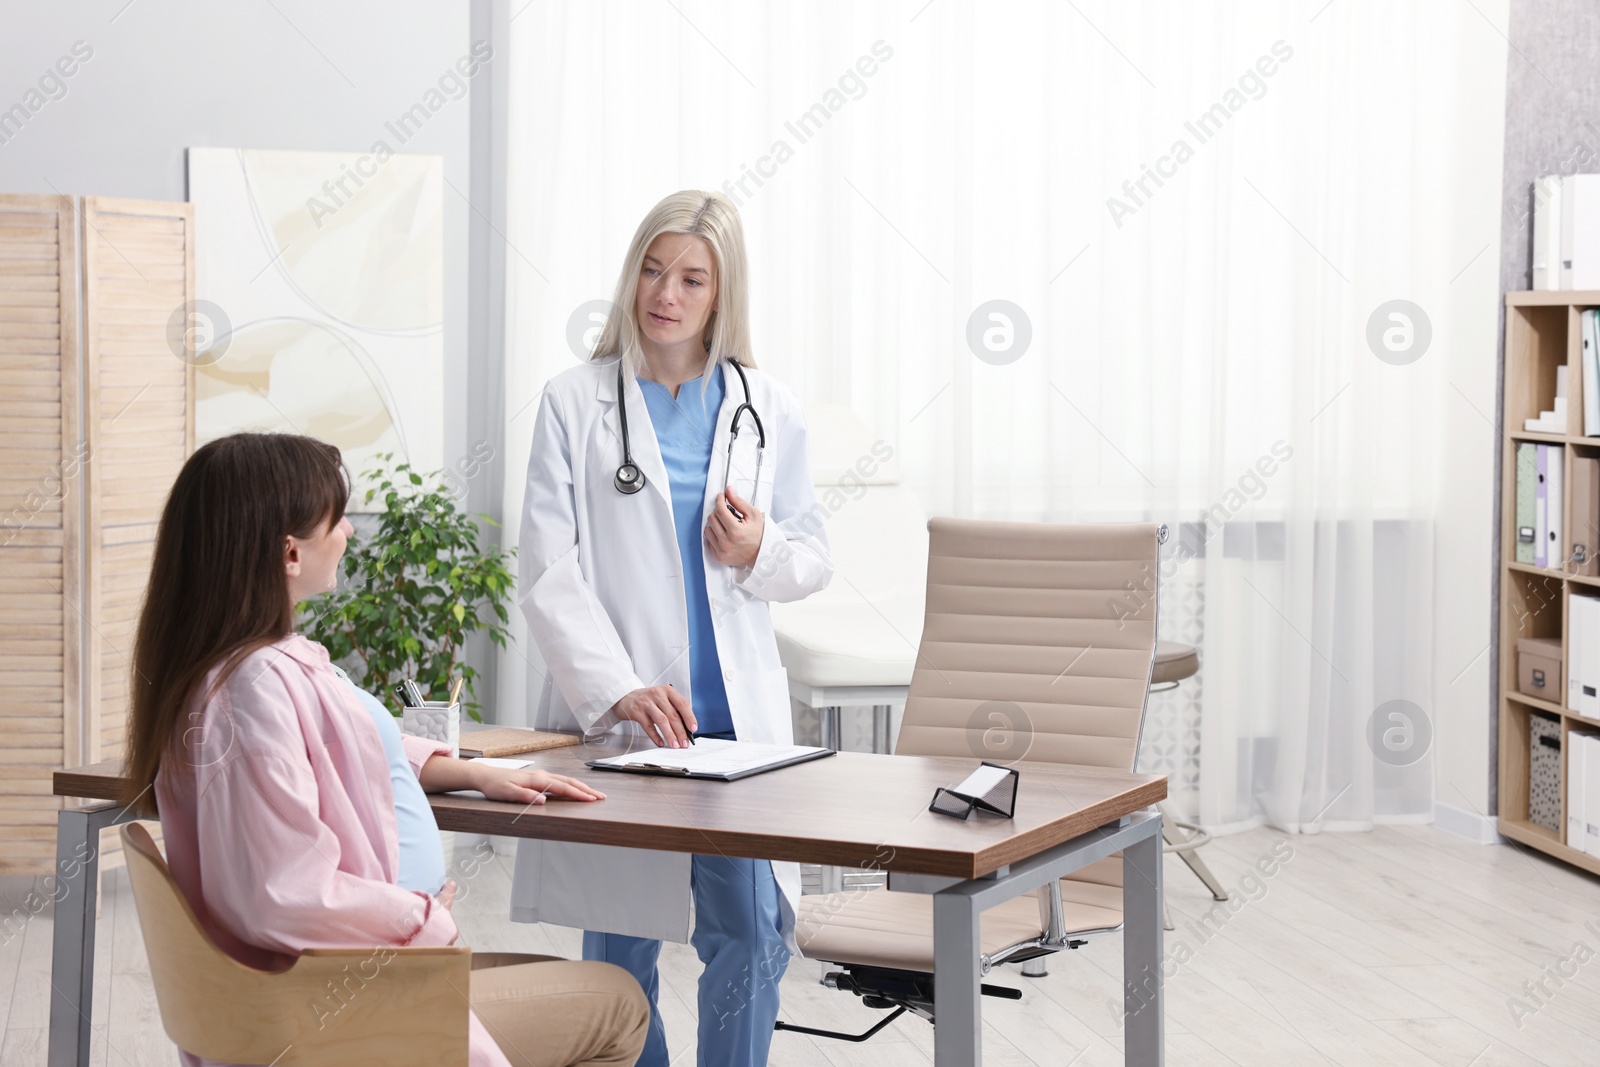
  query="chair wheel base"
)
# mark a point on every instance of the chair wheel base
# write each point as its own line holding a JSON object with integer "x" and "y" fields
{"x": 883, "y": 989}
{"x": 838, "y": 1035}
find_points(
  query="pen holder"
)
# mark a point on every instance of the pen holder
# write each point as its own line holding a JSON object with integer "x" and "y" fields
{"x": 437, "y": 722}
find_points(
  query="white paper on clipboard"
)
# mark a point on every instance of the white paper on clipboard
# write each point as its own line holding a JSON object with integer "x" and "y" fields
{"x": 712, "y": 757}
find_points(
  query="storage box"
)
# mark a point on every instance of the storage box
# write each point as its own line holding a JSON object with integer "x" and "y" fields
{"x": 1539, "y": 669}
{"x": 1544, "y": 770}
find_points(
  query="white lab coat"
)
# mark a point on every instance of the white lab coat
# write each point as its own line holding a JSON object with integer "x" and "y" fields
{"x": 602, "y": 589}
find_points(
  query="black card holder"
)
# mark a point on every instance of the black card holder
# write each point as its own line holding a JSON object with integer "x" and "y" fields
{"x": 1000, "y": 798}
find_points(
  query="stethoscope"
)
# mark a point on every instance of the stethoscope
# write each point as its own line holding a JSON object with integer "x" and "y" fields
{"x": 630, "y": 479}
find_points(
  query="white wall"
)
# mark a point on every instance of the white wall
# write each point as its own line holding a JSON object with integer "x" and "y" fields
{"x": 1464, "y": 531}
{"x": 168, "y": 75}
{"x": 165, "y": 75}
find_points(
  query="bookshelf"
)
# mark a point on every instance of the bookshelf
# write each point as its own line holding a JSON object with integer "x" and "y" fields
{"x": 1542, "y": 333}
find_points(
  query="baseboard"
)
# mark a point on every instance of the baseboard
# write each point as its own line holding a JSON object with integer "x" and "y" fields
{"x": 1464, "y": 823}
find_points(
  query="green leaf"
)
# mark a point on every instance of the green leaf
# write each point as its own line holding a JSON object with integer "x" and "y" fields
{"x": 415, "y": 589}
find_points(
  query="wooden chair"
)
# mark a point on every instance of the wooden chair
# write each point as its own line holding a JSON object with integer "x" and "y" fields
{"x": 1038, "y": 644}
{"x": 333, "y": 1006}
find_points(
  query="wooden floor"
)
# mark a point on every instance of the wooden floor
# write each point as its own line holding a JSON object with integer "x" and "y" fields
{"x": 1401, "y": 946}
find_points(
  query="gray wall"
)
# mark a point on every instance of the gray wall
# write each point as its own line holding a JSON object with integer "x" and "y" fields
{"x": 292, "y": 74}
{"x": 1552, "y": 127}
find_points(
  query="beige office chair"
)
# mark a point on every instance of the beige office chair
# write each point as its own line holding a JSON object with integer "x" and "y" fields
{"x": 1038, "y": 644}
{"x": 410, "y": 1009}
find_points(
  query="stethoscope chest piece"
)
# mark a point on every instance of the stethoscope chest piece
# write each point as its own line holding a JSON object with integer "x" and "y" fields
{"x": 629, "y": 479}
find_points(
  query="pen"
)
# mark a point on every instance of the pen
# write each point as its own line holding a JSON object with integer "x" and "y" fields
{"x": 692, "y": 734}
{"x": 455, "y": 690}
{"x": 404, "y": 694}
{"x": 416, "y": 693}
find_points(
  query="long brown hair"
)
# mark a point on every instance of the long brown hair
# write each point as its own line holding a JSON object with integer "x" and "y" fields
{"x": 217, "y": 588}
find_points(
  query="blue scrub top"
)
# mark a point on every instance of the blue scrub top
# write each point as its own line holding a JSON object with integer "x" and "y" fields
{"x": 685, "y": 428}
{"x": 422, "y": 864}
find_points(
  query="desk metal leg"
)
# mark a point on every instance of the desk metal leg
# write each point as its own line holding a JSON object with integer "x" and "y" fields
{"x": 958, "y": 1022}
{"x": 829, "y": 728}
{"x": 72, "y": 955}
{"x": 1142, "y": 932}
{"x": 881, "y": 727}
{"x": 957, "y": 904}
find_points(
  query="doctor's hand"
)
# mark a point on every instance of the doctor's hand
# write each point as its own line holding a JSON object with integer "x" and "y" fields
{"x": 734, "y": 542}
{"x": 662, "y": 711}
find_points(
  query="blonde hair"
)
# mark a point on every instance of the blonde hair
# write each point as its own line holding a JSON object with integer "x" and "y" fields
{"x": 710, "y": 216}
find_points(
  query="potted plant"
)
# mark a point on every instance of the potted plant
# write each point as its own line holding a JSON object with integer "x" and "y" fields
{"x": 414, "y": 590}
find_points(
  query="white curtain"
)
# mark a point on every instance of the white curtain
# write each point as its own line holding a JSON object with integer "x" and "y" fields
{"x": 1197, "y": 209}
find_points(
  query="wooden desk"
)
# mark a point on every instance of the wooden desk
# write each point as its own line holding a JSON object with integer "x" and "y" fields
{"x": 851, "y": 809}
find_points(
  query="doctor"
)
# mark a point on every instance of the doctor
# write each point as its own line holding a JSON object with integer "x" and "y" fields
{"x": 668, "y": 502}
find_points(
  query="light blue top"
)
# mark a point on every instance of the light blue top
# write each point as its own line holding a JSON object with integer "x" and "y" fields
{"x": 421, "y": 854}
{"x": 685, "y": 428}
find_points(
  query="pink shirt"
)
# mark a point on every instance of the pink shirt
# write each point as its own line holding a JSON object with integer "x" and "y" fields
{"x": 280, "y": 827}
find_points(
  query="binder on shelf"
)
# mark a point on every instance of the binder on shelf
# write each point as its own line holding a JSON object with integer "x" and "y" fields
{"x": 1591, "y": 794}
{"x": 1589, "y": 335}
{"x": 1577, "y": 757}
{"x": 1580, "y": 231}
{"x": 1555, "y": 509}
{"x": 1585, "y": 516}
{"x": 1547, "y": 232}
{"x": 1541, "y": 507}
{"x": 1583, "y": 656}
{"x": 1574, "y": 668}
{"x": 1527, "y": 489}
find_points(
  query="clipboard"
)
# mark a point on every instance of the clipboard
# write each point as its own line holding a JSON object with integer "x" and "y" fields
{"x": 679, "y": 763}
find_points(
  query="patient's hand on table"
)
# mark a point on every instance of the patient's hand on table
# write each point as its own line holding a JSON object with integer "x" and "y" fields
{"x": 531, "y": 786}
{"x": 441, "y": 774}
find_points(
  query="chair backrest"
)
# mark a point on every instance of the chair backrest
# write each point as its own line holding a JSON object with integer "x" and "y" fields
{"x": 332, "y": 1006}
{"x": 1037, "y": 643}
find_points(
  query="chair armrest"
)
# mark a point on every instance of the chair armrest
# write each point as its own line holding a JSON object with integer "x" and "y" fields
{"x": 380, "y": 1005}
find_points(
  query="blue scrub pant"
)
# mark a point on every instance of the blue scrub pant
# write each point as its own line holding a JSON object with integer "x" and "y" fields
{"x": 738, "y": 936}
